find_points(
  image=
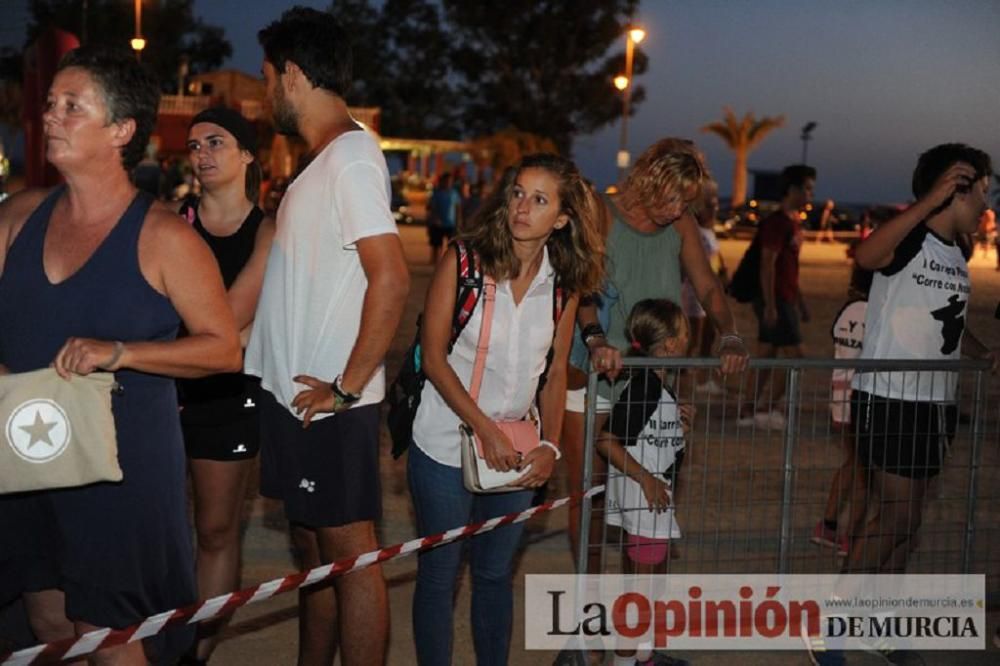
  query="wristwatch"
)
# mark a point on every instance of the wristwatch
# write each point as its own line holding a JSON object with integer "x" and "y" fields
{"x": 342, "y": 398}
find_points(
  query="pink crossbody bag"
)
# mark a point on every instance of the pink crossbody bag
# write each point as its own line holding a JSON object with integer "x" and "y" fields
{"x": 523, "y": 434}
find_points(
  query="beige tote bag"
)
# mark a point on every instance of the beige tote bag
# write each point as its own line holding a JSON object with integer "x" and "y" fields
{"x": 57, "y": 433}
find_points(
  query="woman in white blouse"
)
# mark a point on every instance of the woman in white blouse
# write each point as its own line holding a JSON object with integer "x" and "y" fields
{"x": 535, "y": 233}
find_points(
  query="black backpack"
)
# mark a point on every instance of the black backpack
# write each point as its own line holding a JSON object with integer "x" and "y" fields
{"x": 744, "y": 285}
{"x": 403, "y": 396}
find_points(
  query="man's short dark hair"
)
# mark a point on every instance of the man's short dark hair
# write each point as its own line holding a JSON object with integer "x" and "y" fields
{"x": 938, "y": 159}
{"x": 315, "y": 42}
{"x": 129, "y": 90}
{"x": 796, "y": 175}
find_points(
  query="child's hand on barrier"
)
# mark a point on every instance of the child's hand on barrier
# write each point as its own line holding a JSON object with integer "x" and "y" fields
{"x": 687, "y": 413}
{"x": 659, "y": 498}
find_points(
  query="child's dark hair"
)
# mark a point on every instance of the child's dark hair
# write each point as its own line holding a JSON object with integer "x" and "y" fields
{"x": 938, "y": 159}
{"x": 652, "y": 322}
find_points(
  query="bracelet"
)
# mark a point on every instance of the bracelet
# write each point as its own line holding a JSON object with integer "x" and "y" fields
{"x": 732, "y": 336}
{"x": 591, "y": 331}
{"x": 552, "y": 446}
{"x": 115, "y": 356}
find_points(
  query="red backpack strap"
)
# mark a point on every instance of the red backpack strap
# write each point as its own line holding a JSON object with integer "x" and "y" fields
{"x": 468, "y": 289}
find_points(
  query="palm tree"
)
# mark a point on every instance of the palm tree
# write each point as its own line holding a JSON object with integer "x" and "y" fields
{"x": 742, "y": 136}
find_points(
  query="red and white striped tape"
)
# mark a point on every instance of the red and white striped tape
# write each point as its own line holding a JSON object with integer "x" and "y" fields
{"x": 74, "y": 648}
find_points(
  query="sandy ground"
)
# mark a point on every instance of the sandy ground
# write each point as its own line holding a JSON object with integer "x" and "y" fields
{"x": 733, "y": 498}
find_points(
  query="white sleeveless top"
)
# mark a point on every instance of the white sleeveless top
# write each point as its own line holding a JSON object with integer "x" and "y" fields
{"x": 519, "y": 343}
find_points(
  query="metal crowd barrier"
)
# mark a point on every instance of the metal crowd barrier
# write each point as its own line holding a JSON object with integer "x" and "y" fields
{"x": 750, "y": 493}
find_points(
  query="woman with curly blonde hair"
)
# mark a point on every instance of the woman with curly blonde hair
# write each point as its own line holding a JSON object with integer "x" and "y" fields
{"x": 652, "y": 236}
{"x": 537, "y": 239}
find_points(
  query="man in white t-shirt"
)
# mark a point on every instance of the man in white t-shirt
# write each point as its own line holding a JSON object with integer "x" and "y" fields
{"x": 334, "y": 289}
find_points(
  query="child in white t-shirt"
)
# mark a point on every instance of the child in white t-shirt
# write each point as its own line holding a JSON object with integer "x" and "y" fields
{"x": 847, "y": 488}
{"x": 644, "y": 441}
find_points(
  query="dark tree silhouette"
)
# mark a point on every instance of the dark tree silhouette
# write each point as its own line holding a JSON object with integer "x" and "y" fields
{"x": 442, "y": 69}
{"x": 170, "y": 28}
{"x": 402, "y": 65}
{"x": 541, "y": 66}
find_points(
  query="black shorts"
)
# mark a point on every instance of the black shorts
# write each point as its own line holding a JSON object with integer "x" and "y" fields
{"x": 901, "y": 437}
{"x": 437, "y": 235}
{"x": 327, "y": 474}
{"x": 227, "y": 429}
{"x": 786, "y": 331}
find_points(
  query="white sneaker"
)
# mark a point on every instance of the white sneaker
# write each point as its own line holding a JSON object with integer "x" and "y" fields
{"x": 711, "y": 387}
{"x": 763, "y": 421}
{"x": 770, "y": 420}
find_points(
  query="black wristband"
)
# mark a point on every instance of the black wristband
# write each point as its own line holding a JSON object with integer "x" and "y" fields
{"x": 591, "y": 331}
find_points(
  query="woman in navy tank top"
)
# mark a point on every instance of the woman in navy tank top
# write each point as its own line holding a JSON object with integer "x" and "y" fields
{"x": 95, "y": 275}
{"x": 219, "y": 414}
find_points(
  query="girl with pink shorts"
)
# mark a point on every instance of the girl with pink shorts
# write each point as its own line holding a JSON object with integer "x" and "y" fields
{"x": 643, "y": 440}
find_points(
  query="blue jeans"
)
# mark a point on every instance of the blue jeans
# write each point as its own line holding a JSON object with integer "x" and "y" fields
{"x": 442, "y": 503}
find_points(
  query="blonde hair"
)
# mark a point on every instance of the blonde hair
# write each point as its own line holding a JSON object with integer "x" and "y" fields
{"x": 652, "y": 322}
{"x": 669, "y": 165}
{"x": 576, "y": 251}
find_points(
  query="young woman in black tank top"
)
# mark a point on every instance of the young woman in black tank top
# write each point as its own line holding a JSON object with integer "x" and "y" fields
{"x": 219, "y": 413}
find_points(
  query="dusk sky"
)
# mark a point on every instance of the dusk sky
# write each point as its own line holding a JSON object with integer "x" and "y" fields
{"x": 884, "y": 80}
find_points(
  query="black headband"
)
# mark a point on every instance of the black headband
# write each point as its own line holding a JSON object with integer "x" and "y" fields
{"x": 232, "y": 122}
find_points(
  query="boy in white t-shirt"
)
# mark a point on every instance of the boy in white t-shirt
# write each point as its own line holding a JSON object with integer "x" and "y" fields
{"x": 917, "y": 311}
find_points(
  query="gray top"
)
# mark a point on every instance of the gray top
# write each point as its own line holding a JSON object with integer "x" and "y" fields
{"x": 640, "y": 265}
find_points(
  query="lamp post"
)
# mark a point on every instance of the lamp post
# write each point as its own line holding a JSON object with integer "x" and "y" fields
{"x": 624, "y": 83}
{"x": 807, "y": 130}
{"x": 138, "y": 43}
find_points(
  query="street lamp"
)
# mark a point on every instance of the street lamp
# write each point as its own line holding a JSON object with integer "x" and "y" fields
{"x": 138, "y": 43}
{"x": 624, "y": 83}
{"x": 807, "y": 130}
